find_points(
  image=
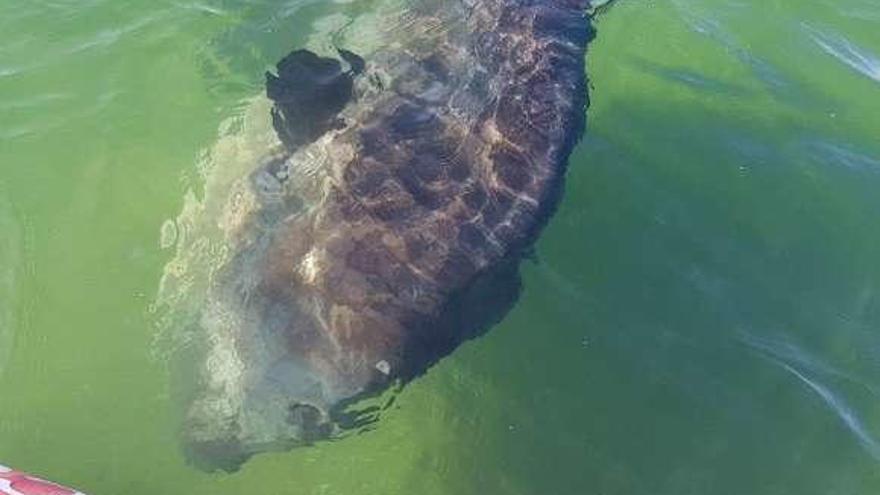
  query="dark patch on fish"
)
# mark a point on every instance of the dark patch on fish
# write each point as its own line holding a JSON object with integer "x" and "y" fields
{"x": 309, "y": 92}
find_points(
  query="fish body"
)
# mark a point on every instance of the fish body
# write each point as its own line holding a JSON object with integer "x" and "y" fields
{"x": 385, "y": 223}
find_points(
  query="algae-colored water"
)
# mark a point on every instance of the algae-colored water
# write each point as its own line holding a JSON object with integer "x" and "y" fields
{"x": 702, "y": 317}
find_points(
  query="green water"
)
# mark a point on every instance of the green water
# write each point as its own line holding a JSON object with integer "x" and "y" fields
{"x": 702, "y": 318}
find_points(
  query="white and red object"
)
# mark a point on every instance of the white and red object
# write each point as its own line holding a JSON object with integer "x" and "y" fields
{"x": 17, "y": 483}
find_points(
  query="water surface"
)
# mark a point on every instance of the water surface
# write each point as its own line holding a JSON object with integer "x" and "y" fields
{"x": 701, "y": 316}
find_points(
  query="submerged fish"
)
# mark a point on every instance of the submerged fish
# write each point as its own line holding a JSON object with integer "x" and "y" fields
{"x": 383, "y": 225}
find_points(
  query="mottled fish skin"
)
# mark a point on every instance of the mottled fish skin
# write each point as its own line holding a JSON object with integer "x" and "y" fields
{"x": 439, "y": 165}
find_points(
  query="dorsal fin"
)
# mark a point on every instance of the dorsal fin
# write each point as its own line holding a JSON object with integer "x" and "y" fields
{"x": 309, "y": 91}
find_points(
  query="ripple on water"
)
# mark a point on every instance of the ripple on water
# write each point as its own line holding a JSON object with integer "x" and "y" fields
{"x": 111, "y": 36}
{"x": 866, "y": 10}
{"x": 828, "y": 152}
{"x": 692, "y": 79}
{"x": 809, "y": 370}
{"x": 771, "y": 76}
{"x": 838, "y": 46}
{"x": 203, "y": 7}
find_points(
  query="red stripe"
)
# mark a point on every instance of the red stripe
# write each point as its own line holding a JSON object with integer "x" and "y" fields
{"x": 27, "y": 485}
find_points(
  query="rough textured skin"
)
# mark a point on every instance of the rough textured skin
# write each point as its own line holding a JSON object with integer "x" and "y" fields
{"x": 388, "y": 227}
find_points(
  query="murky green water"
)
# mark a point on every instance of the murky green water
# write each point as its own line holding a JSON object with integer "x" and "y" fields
{"x": 703, "y": 317}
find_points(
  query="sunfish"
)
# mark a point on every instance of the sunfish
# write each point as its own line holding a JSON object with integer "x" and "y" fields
{"x": 381, "y": 223}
